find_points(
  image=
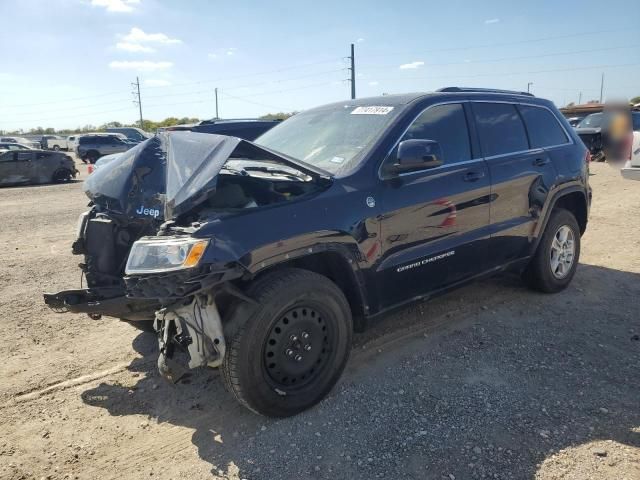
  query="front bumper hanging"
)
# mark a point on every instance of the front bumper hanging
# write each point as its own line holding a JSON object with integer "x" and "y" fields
{"x": 193, "y": 327}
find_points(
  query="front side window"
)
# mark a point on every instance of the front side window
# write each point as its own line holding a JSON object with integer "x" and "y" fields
{"x": 542, "y": 126}
{"x": 500, "y": 128}
{"x": 447, "y": 125}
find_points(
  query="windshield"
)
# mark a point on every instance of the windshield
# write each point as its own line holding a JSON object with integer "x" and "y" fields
{"x": 334, "y": 139}
{"x": 594, "y": 120}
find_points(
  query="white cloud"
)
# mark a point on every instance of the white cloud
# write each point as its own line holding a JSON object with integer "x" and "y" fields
{"x": 137, "y": 35}
{"x": 411, "y": 66}
{"x": 491, "y": 20}
{"x": 373, "y": 84}
{"x": 134, "y": 47}
{"x": 157, "y": 82}
{"x": 144, "y": 65}
{"x": 222, "y": 52}
{"x": 115, "y": 5}
{"x": 360, "y": 40}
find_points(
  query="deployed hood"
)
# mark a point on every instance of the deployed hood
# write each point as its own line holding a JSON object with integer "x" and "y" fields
{"x": 174, "y": 172}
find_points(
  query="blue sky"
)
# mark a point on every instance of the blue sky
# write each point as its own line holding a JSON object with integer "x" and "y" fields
{"x": 68, "y": 63}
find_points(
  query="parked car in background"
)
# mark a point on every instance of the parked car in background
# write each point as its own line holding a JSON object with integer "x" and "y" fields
{"x": 91, "y": 147}
{"x": 247, "y": 129}
{"x": 574, "y": 121}
{"x": 25, "y": 165}
{"x": 55, "y": 142}
{"x": 263, "y": 257}
{"x": 133, "y": 134}
{"x": 102, "y": 161}
{"x": 631, "y": 170}
{"x": 14, "y": 146}
{"x": 20, "y": 140}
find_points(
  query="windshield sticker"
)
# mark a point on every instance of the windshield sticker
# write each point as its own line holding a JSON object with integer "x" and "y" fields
{"x": 371, "y": 110}
{"x": 337, "y": 159}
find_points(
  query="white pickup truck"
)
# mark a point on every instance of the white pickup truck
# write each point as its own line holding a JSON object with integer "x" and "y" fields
{"x": 57, "y": 143}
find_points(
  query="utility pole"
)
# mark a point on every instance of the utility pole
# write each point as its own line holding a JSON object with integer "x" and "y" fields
{"x": 353, "y": 72}
{"x": 580, "y": 99}
{"x": 601, "y": 86}
{"x": 217, "y": 117}
{"x": 529, "y": 86}
{"x": 138, "y": 99}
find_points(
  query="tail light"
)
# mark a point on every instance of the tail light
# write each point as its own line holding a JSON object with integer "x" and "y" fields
{"x": 629, "y": 145}
{"x": 587, "y": 157}
{"x": 90, "y": 168}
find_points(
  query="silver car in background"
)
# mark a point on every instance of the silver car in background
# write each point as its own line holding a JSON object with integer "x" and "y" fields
{"x": 30, "y": 166}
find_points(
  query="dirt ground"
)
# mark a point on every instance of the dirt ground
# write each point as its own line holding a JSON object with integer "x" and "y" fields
{"x": 490, "y": 381}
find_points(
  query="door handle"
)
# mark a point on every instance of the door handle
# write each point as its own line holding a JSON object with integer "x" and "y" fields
{"x": 472, "y": 176}
{"x": 540, "y": 162}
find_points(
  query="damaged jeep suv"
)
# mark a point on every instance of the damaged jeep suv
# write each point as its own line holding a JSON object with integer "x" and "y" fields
{"x": 263, "y": 257}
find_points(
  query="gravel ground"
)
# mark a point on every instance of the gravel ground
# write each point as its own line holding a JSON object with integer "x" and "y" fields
{"x": 490, "y": 381}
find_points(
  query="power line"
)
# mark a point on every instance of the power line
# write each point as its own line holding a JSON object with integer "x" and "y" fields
{"x": 572, "y": 69}
{"x": 352, "y": 69}
{"x": 506, "y": 59}
{"x": 138, "y": 101}
{"x": 282, "y": 109}
{"x": 516, "y": 42}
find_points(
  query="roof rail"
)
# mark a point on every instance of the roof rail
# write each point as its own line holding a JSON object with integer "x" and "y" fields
{"x": 482, "y": 90}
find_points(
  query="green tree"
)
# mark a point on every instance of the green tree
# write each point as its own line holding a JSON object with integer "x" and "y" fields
{"x": 635, "y": 100}
{"x": 277, "y": 116}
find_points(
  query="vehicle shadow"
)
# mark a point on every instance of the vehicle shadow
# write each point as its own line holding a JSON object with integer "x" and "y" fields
{"x": 510, "y": 378}
{"x": 39, "y": 185}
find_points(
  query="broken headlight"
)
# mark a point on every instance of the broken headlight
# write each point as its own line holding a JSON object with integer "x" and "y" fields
{"x": 157, "y": 254}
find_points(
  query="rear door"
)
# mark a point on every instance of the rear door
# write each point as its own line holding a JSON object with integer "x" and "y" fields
{"x": 521, "y": 177}
{"x": 434, "y": 222}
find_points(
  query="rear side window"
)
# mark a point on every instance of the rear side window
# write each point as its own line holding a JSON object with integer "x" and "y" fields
{"x": 542, "y": 126}
{"x": 447, "y": 125}
{"x": 501, "y": 129}
{"x": 636, "y": 121}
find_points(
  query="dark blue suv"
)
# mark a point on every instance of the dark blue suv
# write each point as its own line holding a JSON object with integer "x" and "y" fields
{"x": 263, "y": 257}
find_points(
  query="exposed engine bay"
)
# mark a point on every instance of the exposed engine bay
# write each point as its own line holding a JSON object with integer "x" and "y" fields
{"x": 163, "y": 187}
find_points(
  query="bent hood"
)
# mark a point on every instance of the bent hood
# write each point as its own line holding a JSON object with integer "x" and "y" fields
{"x": 173, "y": 172}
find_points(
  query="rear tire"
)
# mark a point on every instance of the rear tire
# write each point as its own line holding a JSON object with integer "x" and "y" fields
{"x": 293, "y": 346}
{"x": 92, "y": 157}
{"x": 62, "y": 175}
{"x": 56, "y": 148}
{"x": 556, "y": 259}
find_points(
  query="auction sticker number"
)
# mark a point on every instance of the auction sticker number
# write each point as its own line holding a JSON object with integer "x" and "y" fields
{"x": 371, "y": 110}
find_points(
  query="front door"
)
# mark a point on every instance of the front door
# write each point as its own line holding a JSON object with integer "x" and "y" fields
{"x": 434, "y": 225}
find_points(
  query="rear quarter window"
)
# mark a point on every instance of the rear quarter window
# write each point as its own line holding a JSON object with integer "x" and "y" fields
{"x": 500, "y": 128}
{"x": 542, "y": 126}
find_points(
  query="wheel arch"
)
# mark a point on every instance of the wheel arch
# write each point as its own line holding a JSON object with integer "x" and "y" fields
{"x": 573, "y": 199}
{"x": 335, "y": 262}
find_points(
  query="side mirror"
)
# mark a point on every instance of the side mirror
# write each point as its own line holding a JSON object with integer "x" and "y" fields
{"x": 416, "y": 155}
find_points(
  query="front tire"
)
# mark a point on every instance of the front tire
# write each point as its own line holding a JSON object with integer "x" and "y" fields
{"x": 294, "y": 345}
{"x": 556, "y": 259}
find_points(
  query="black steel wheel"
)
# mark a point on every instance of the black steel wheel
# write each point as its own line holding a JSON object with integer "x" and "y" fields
{"x": 297, "y": 348}
{"x": 292, "y": 347}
